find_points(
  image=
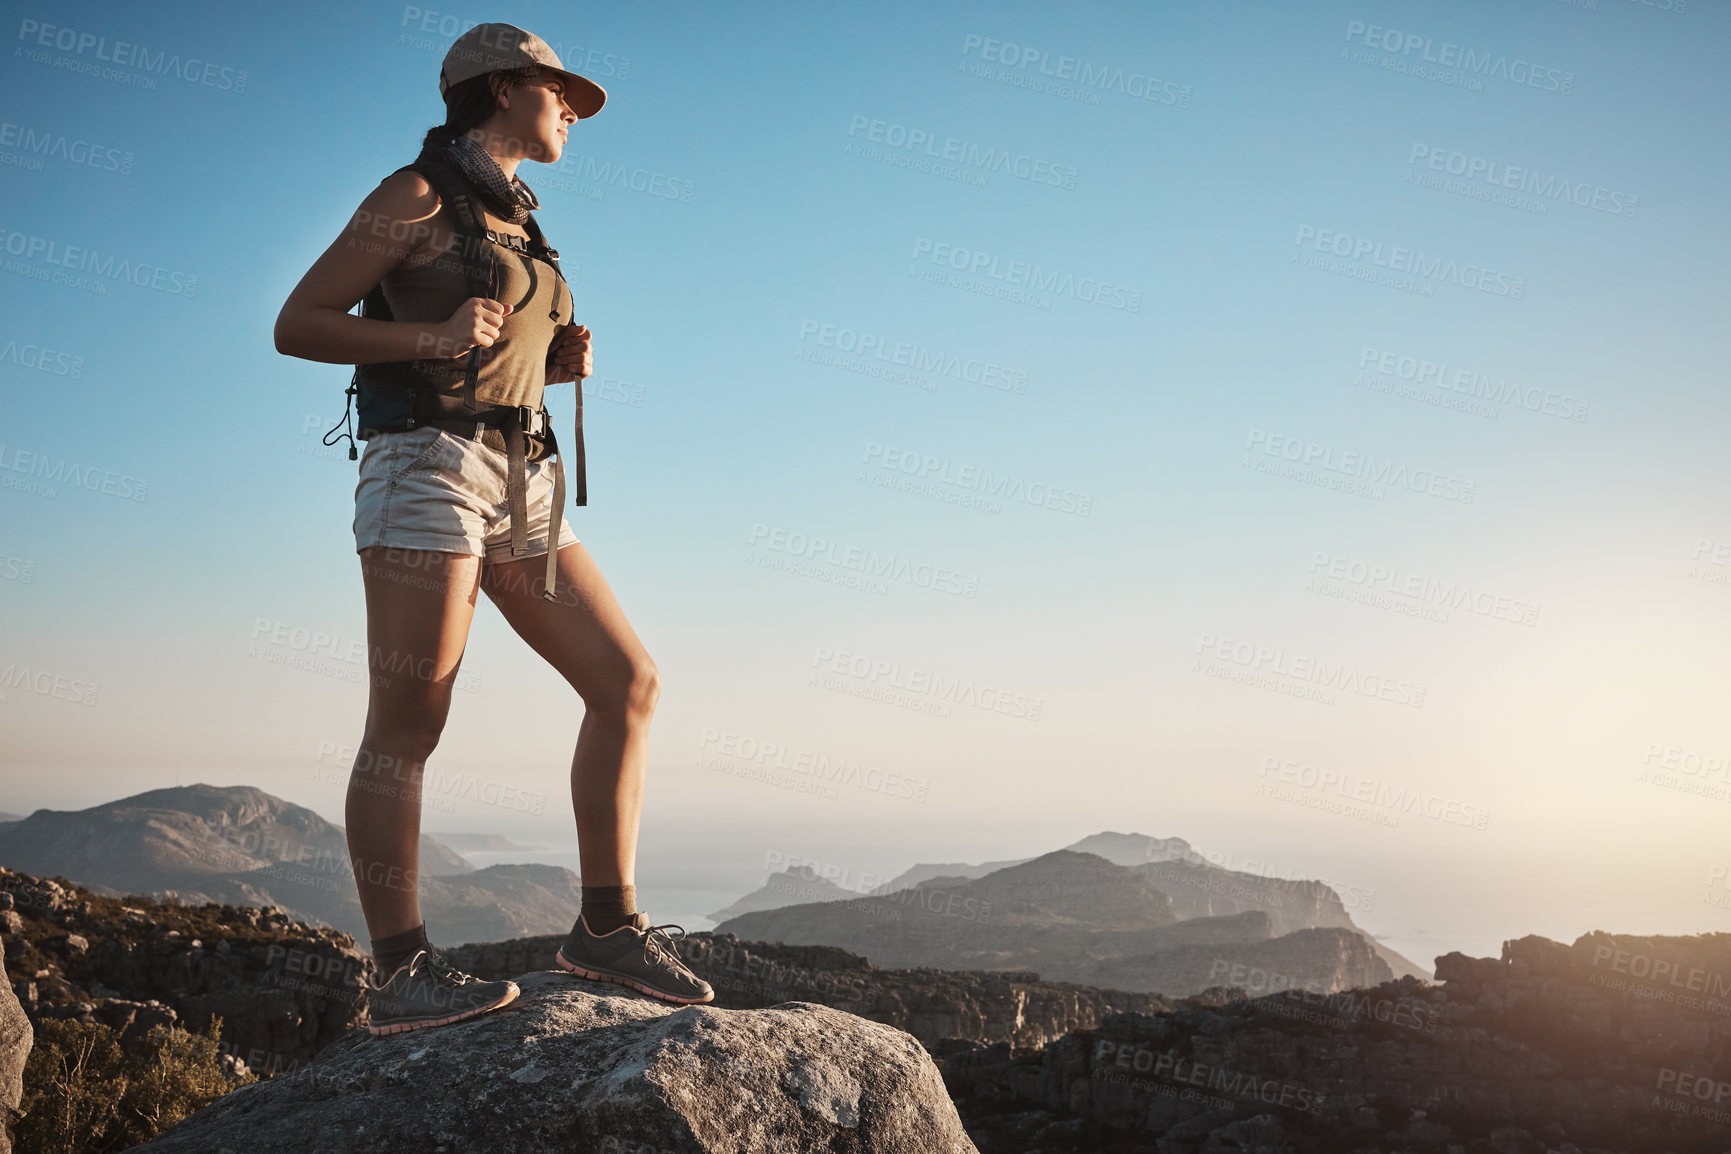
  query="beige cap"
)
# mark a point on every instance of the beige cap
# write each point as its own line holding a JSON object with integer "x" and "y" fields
{"x": 490, "y": 47}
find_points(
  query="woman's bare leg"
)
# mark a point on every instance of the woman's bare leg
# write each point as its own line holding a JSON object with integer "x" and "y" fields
{"x": 419, "y": 606}
{"x": 585, "y": 636}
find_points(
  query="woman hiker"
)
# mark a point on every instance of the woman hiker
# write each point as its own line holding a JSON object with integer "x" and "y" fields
{"x": 466, "y": 318}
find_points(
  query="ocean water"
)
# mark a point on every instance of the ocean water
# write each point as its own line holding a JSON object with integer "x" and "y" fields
{"x": 682, "y": 892}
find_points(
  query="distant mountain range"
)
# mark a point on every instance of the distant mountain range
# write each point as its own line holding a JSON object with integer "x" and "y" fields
{"x": 242, "y": 846}
{"x": 1123, "y": 911}
{"x": 1113, "y": 910}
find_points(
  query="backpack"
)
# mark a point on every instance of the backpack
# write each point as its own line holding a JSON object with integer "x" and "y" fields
{"x": 393, "y": 396}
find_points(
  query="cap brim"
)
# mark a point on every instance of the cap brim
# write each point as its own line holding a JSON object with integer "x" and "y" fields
{"x": 583, "y": 95}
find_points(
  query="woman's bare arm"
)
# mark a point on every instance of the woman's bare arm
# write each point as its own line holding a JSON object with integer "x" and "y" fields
{"x": 396, "y": 221}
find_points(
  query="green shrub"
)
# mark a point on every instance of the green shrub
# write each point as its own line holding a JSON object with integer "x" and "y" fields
{"x": 84, "y": 1091}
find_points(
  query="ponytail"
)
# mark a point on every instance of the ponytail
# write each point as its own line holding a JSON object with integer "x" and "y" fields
{"x": 474, "y": 100}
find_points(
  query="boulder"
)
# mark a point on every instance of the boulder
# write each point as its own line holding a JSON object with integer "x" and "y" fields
{"x": 576, "y": 1065}
{"x": 16, "y": 1037}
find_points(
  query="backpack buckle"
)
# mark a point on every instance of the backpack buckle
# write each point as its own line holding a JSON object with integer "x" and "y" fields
{"x": 533, "y": 422}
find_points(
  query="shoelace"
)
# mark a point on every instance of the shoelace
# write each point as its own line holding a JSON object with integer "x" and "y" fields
{"x": 659, "y": 944}
{"x": 439, "y": 968}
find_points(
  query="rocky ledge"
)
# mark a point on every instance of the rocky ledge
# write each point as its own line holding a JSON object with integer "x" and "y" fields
{"x": 574, "y": 1065}
{"x": 1013, "y": 1006}
{"x": 1616, "y": 1043}
{"x": 283, "y": 989}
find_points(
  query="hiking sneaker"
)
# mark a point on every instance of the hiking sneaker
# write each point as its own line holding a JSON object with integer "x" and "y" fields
{"x": 636, "y": 954}
{"x": 427, "y": 991}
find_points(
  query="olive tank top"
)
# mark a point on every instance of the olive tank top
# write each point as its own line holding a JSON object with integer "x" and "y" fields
{"x": 513, "y": 369}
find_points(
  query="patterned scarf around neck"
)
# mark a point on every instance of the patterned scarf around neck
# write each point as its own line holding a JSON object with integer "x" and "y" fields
{"x": 509, "y": 200}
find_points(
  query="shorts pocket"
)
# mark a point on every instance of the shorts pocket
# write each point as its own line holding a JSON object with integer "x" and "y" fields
{"x": 397, "y": 469}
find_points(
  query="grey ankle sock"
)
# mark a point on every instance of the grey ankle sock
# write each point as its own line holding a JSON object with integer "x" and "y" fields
{"x": 391, "y": 952}
{"x": 608, "y": 907}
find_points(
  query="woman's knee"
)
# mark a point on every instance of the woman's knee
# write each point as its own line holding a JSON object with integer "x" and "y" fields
{"x": 645, "y": 688}
{"x": 629, "y": 695}
{"x": 406, "y": 729}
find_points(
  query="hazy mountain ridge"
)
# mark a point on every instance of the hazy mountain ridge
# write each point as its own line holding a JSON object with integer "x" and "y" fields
{"x": 242, "y": 846}
{"x": 1071, "y": 917}
{"x": 1191, "y": 887}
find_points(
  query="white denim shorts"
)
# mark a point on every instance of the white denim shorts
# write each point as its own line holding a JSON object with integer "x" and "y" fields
{"x": 428, "y": 489}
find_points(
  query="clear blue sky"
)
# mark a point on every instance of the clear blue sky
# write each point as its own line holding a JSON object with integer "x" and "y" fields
{"x": 1406, "y": 252}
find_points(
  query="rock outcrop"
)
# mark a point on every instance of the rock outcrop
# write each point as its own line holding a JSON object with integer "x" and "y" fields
{"x": 15, "y": 1039}
{"x": 572, "y": 1065}
{"x": 932, "y": 1005}
{"x": 283, "y": 989}
{"x": 1616, "y": 1043}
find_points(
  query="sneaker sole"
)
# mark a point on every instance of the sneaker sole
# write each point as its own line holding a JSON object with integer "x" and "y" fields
{"x": 405, "y": 1027}
{"x": 622, "y": 980}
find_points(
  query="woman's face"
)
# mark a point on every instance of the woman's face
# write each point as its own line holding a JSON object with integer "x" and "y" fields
{"x": 537, "y": 119}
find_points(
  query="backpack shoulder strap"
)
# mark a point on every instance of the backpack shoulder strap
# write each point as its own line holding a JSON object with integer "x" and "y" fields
{"x": 471, "y": 223}
{"x": 475, "y": 252}
{"x": 539, "y": 243}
